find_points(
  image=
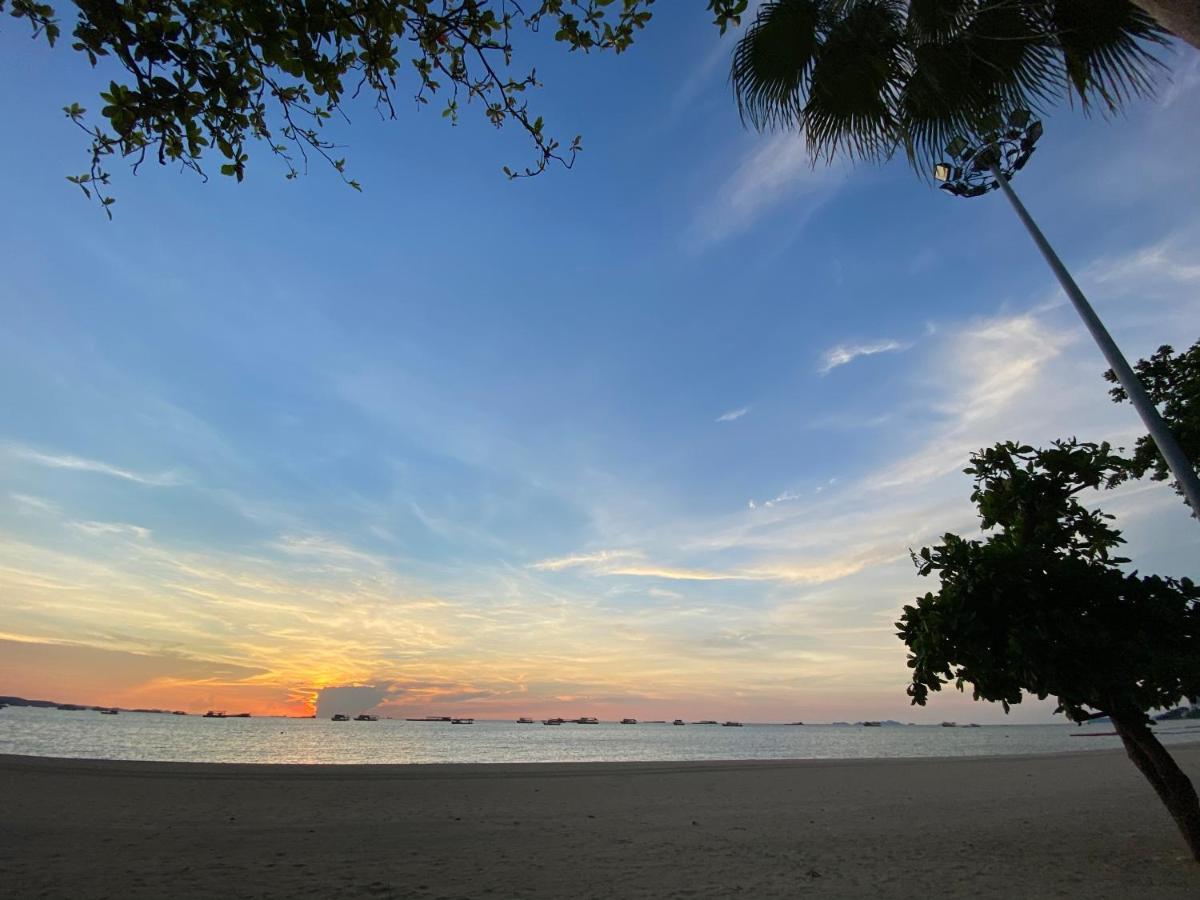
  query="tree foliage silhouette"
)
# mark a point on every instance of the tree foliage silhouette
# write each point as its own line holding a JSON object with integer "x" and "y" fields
{"x": 1042, "y": 605}
{"x": 867, "y": 78}
{"x": 202, "y": 76}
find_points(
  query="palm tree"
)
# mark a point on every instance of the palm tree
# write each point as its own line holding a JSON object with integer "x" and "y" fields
{"x": 865, "y": 78}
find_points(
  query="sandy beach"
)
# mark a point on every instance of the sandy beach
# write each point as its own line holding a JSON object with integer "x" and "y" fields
{"x": 1073, "y": 825}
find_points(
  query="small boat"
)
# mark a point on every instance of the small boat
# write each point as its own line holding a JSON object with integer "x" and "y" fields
{"x": 679, "y": 722}
{"x": 465, "y": 721}
{"x": 731, "y": 724}
{"x": 949, "y": 724}
{"x": 707, "y": 722}
{"x": 109, "y": 712}
{"x": 214, "y": 714}
{"x": 629, "y": 721}
{"x": 179, "y": 712}
{"x": 524, "y": 720}
{"x": 586, "y": 720}
{"x": 973, "y": 725}
{"x": 553, "y": 721}
{"x": 430, "y": 719}
{"x": 341, "y": 717}
{"x": 363, "y": 717}
{"x": 872, "y": 724}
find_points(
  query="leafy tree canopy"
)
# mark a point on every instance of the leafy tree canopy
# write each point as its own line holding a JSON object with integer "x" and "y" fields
{"x": 1173, "y": 382}
{"x": 210, "y": 75}
{"x": 868, "y": 77}
{"x": 1041, "y": 605}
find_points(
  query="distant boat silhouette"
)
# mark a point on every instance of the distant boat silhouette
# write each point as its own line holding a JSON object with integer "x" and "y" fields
{"x": 363, "y": 717}
{"x": 679, "y": 722}
{"x": 466, "y": 721}
{"x": 340, "y": 717}
{"x": 629, "y": 721}
{"x": 524, "y": 721}
{"x": 732, "y": 724}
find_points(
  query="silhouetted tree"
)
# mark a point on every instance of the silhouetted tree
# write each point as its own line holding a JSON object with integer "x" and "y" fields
{"x": 205, "y": 75}
{"x": 1173, "y": 383}
{"x": 1041, "y": 605}
{"x": 866, "y": 78}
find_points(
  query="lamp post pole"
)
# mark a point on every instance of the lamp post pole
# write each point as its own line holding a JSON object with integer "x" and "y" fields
{"x": 1177, "y": 462}
{"x": 977, "y": 168}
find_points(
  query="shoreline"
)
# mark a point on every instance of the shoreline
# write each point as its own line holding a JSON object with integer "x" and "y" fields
{"x": 1081, "y": 823}
{"x": 184, "y": 768}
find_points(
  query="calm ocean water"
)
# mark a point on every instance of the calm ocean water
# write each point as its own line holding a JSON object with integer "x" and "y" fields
{"x": 87, "y": 734}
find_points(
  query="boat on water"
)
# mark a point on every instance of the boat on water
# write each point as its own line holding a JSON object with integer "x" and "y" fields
{"x": 524, "y": 720}
{"x": 463, "y": 721}
{"x": 629, "y": 721}
{"x": 949, "y": 724}
{"x": 214, "y": 714}
{"x": 179, "y": 712}
{"x": 363, "y": 717}
{"x": 109, "y": 712}
{"x": 872, "y": 724}
{"x": 707, "y": 722}
{"x": 553, "y": 721}
{"x": 430, "y": 719}
{"x": 340, "y": 717}
{"x": 731, "y": 724}
{"x": 586, "y": 720}
{"x": 679, "y": 722}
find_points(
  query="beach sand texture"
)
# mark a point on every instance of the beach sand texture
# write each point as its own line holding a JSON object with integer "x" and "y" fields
{"x": 1070, "y": 825}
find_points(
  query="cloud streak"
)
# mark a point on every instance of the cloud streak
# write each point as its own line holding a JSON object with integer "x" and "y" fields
{"x": 733, "y": 415}
{"x": 844, "y": 354}
{"x": 772, "y": 171}
{"x": 81, "y": 464}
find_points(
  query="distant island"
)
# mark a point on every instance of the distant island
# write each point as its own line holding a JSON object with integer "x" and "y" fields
{"x": 55, "y": 704}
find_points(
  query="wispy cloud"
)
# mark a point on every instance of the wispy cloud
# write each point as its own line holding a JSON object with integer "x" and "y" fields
{"x": 843, "y": 354}
{"x": 733, "y": 415}
{"x": 775, "y": 169}
{"x": 81, "y": 464}
{"x": 577, "y": 560}
{"x": 122, "y": 529}
{"x": 29, "y": 503}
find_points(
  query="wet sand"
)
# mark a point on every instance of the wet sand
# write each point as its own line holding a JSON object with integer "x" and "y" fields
{"x": 1068, "y": 825}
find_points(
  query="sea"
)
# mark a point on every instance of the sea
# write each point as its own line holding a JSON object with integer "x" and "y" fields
{"x": 87, "y": 734}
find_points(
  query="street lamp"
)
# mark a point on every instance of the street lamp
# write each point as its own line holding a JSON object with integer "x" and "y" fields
{"x": 976, "y": 168}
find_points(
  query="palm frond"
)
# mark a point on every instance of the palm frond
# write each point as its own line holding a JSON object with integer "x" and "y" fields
{"x": 855, "y": 83}
{"x": 1106, "y": 49}
{"x": 772, "y": 62}
{"x": 937, "y": 20}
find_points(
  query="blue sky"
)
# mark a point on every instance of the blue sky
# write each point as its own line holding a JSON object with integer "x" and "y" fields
{"x": 653, "y": 434}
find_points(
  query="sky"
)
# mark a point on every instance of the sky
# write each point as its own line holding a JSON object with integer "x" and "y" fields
{"x": 652, "y": 437}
